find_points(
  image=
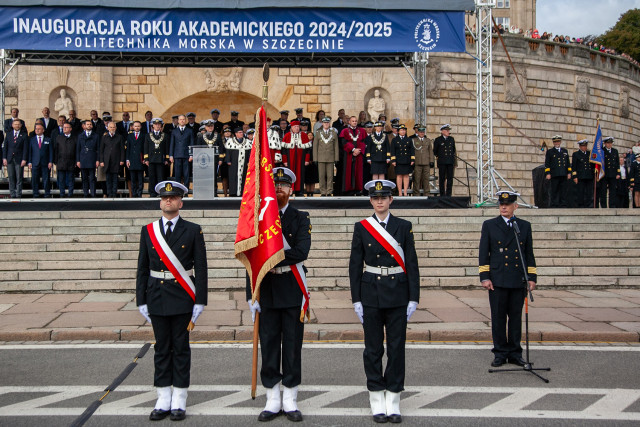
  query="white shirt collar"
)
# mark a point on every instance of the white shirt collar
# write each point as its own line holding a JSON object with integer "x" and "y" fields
{"x": 386, "y": 220}
{"x": 173, "y": 220}
{"x": 506, "y": 219}
{"x": 284, "y": 208}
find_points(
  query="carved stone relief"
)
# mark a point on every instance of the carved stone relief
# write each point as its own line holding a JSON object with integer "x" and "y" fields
{"x": 512, "y": 90}
{"x": 433, "y": 80}
{"x": 583, "y": 88}
{"x": 223, "y": 79}
{"x": 624, "y": 102}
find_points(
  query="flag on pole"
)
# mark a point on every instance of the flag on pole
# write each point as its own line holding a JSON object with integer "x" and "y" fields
{"x": 259, "y": 244}
{"x": 597, "y": 154}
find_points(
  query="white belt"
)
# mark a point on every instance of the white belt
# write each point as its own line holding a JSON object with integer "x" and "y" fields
{"x": 383, "y": 271}
{"x": 280, "y": 270}
{"x": 166, "y": 275}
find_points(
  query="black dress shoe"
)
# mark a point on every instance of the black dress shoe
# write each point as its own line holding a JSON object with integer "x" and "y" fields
{"x": 268, "y": 416}
{"x": 294, "y": 416}
{"x": 158, "y": 414}
{"x": 395, "y": 418}
{"x": 380, "y": 418}
{"x": 518, "y": 360}
{"x": 498, "y": 361}
{"x": 178, "y": 414}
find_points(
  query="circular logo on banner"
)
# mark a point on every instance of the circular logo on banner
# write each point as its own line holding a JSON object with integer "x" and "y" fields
{"x": 427, "y": 34}
{"x": 203, "y": 160}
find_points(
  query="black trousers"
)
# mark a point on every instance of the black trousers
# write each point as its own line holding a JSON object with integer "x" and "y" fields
{"x": 137, "y": 182}
{"x": 584, "y": 193}
{"x": 445, "y": 173}
{"x": 506, "y": 316}
{"x": 376, "y": 320}
{"x": 611, "y": 184}
{"x": 281, "y": 333}
{"x": 88, "y": 181}
{"x": 172, "y": 358}
{"x": 156, "y": 175}
{"x": 557, "y": 192}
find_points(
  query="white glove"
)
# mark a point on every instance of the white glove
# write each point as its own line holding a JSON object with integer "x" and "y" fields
{"x": 197, "y": 311}
{"x": 411, "y": 308}
{"x": 144, "y": 310}
{"x": 254, "y": 307}
{"x": 357, "y": 306}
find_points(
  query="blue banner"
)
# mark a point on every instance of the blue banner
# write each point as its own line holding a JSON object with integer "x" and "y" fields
{"x": 597, "y": 154}
{"x": 230, "y": 30}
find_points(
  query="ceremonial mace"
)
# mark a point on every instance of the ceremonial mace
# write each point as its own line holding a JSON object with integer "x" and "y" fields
{"x": 528, "y": 366}
{"x": 256, "y": 324}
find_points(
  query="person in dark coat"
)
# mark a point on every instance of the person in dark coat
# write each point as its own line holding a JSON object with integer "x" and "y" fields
{"x": 558, "y": 171}
{"x": 49, "y": 123}
{"x": 179, "y": 152}
{"x": 171, "y": 304}
{"x": 15, "y": 152}
{"x": 64, "y": 156}
{"x": 385, "y": 291}
{"x": 88, "y": 158}
{"x": 8, "y": 123}
{"x": 444, "y": 148}
{"x": 76, "y": 123}
{"x": 502, "y": 274}
{"x": 134, "y": 156}
{"x": 609, "y": 182}
{"x": 156, "y": 155}
{"x": 583, "y": 174}
{"x": 212, "y": 138}
{"x": 634, "y": 180}
{"x": 378, "y": 151}
{"x": 123, "y": 126}
{"x": 112, "y": 157}
{"x": 40, "y": 161}
{"x": 281, "y": 326}
{"x": 403, "y": 158}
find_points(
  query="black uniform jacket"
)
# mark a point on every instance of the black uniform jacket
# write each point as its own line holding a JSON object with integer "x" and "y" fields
{"x": 374, "y": 153}
{"x": 445, "y": 150}
{"x": 611, "y": 163}
{"x": 134, "y": 149}
{"x": 111, "y": 152}
{"x": 580, "y": 165}
{"x": 282, "y": 290}
{"x": 167, "y": 297}
{"x": 153, "y": 154}
{"x": 500, "y": 259}
{"x": 394, "y": 290}
{"x": 634, "y": 176}
{"x": 88, "y": 150}
{"x": 556, "y": 163}
{"x": 402, "y": 150}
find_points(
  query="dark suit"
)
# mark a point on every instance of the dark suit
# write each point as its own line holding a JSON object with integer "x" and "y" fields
{"x": 76, "y": 126}
{"x": 87, "y": 154}
{"x": 156, "y": 158}
{"x": 64, "y": 156}
{"x": 123, "y": 129}
{"x": 384, "y": 300}
{"x": 53, "y": 124}
{"x": 55, "y": 132}
{"x": 133, "y": 155}
{"x": 281, "y": 330}
{"x": 445, "y": 151}
{"x": 179, "y": 149}
{"x": 112, "y": 154}
{"x": 582, "y": 170}
{"x": 15, "y": 150}
{"x": 8, "y": 126}
{"x": 500, "y": 260}
{"x": 40, "y": 157}
{"x": 99, "y": 127}
{"x": 609, "y": 180}
{"x": 557, "y": 166}
{"x": 170, "y": 306}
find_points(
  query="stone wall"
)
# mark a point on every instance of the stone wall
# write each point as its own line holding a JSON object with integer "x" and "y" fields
{"x": 566, "y": 88}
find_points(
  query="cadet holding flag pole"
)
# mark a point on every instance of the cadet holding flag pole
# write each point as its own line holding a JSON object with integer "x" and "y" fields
{"x": 385, "y": 291}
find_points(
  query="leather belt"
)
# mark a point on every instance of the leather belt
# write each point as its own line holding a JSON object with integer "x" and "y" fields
{"x": 166, "y": 275}
{"x": 383, "y": 271}
{"x": 280, "y": 270}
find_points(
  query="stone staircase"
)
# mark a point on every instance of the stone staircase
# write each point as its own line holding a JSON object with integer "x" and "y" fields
{"x": 77, "y": 250}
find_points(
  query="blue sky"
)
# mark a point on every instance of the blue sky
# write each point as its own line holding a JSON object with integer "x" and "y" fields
{"x": 578, "y": 18}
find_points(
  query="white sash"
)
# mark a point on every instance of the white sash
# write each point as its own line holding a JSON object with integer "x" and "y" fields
{"x": 386, "y": 236}
{"x": 171, "y": 257}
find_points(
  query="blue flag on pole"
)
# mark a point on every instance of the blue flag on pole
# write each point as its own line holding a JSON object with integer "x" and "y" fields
{"x": 597, "y": 154}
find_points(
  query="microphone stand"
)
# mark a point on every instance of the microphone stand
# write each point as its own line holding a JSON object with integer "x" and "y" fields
{"x": 528, "y": 366}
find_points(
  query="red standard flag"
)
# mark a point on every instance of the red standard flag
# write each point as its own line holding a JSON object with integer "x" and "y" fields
{"x": 259, "y": 245}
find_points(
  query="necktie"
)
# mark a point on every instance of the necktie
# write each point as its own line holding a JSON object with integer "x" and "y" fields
{"x": 39, "y": 142}
{"x": 383, "y": 224}
{"x": 280, "y": 214}
{"x": 168, "y": 233}
{"x": 136, "y": 135}
{"x": 15, "y": 135}
{"x": 61, "y": 129}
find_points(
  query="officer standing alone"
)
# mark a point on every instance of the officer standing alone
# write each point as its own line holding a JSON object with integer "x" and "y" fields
{"x": 385, "y": 291}
{"x": 444, "y": 148}
{"x": 557, "y": 168}
{"x": 171, "y": 292}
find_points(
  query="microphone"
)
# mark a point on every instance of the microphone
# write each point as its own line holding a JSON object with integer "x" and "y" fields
{"x": 514, "y": 224}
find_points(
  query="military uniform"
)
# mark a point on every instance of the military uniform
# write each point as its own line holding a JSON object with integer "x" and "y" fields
{"x": 583, "y": 171}
{"x": 213, "y": 139}
{"x": 169, "y": 306}
{"x": 557, "y": 166}
{"x": 156, "y": 152}
{"x": 326, "y": 152}
{"x": 445, "y": 151}
{"x": 634, "y": 176}
{"x": 500, "y": 260}
{"x": 402, "y": 154}
{"x": 378, "y": 152}
{"x": 384, "y": 291}
{"x": 423, "y": 149}
{"x": 610, "y": 178}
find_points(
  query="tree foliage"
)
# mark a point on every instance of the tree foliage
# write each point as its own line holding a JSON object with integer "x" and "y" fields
{"x": 624, "y": 37}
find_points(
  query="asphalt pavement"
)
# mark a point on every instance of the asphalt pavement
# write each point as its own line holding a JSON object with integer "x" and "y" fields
{"x": 446, "y": 385}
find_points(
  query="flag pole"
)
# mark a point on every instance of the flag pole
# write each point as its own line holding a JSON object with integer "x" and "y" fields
{"x": 595, "y": 170}
{"x": 256, "y": 324}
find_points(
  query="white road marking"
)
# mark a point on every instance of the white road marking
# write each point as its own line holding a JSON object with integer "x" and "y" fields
{"x": 610, "y": 407}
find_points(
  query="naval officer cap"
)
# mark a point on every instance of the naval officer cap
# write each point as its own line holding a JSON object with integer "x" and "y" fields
{"x": 238, "y": 129}
{"x": 379, "y": 187}
{"x": 275, "y": 127}
{"x": 326, "y": 119}
{"x": 175, "y": 116}
{"x": 556, "y": 138}
{"x": 583, "y": 142}
{"x": 201, "y": 128}
{"x": 234, "y": 113}
{"x": 107, "y": 118}
{"x": 251, "y": 131}
{"x": 445, "y": 127}
{"x": 507, "y": 197}
{"x": 378, "y": 124}
{"x": 156, "y": 120}
{"x": 170, "y": 188}
{"x": 402, "y": 126}
{"x": 608, "y": 139}
{"x": 395, "y": 121}
{"x": 191, "y": 115}
{"x": 305, "y": 122}
{"x": 283, "y": 175}
{"x": 226, "y": 129}
{"x": 215, "y": 110}
{"x": 207, "y": 122}
{"x": 284, "y": 112}
{"x": 368, "y": 125}
{"x": 299, "y": 110}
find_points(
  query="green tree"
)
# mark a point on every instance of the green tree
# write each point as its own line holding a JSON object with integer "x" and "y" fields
{"x": 624, "y": 37}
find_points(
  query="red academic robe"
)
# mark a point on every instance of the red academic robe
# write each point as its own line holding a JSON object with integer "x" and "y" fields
{"x": 353, "y": 165}
{"x": 296, "y": 154}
